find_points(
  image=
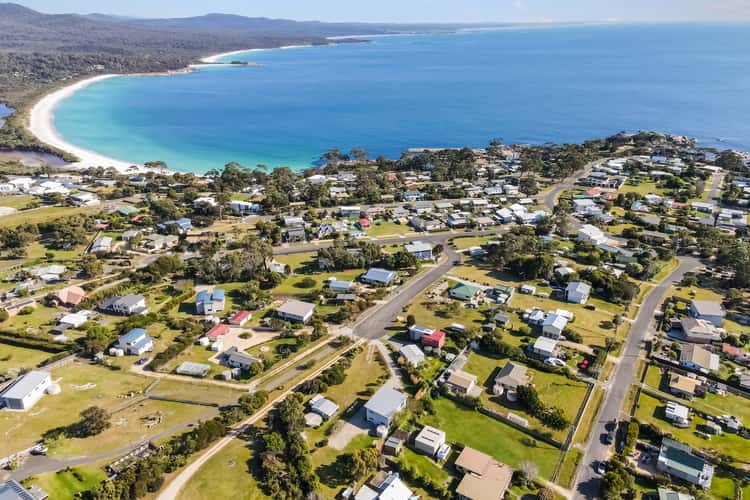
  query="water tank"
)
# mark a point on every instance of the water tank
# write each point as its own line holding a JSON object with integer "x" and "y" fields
{"x": 54, "y": 389}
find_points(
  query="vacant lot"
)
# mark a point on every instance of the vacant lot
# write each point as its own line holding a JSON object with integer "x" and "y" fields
{"x": 17, "y": 358}
{"x": 486, "y": 434}
{"x": 65, "y": 484}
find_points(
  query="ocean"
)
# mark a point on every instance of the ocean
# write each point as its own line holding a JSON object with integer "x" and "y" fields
{"x": 524, "y": 85}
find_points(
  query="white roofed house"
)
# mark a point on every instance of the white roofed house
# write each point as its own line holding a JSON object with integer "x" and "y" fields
{"x": 577, "y": 292}
{"x": 429, "y": 440}
{"x": 128, "y": 305}
{"x": 323, "y": 407}
{"x": 545, "y": 347}
{"x": 240, "y": 207}
{"x": 586, "y": 206}
{"x": 383, "y": 405}
{"x": 592, "y": 235}
{"x": 296, "y": 311}
{"x": 419, "y": 249}
{"x": 707, "y": 310}
{"x": 26, "y": 390}
{"x": 378, "y": 276}
{"x": 553, "y": 326}
{"x": 412, "y": 354}
{"x": 84, "y": 199}
{"x": 101, "y": 245}
{"x": 135, "y": 342}
{"x": 235, "y": 358}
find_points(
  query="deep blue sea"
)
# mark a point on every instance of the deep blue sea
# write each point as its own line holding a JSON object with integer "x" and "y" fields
{"x": 522, "y": 85}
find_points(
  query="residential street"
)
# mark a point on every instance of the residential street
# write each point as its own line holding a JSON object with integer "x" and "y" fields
{"x": 586, "y": 484}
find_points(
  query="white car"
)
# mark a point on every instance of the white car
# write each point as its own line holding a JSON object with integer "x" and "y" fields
{"x": 554, "y": 362}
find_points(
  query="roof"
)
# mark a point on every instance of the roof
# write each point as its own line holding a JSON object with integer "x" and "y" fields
{"x": 707, "y": 308}
{"x": 379, "y": 275}
{"x": 13, "y": 490}
{"x": 436, "y": 336}
{"x": 699, "y": 356}
{"x": 579, "y": 287}
{"x": 545, "y": 344}
{"x": 24, "y": 385}
{"x": 386, "y": 401}
{"x": 512, "y": 374}
{"x": 424, "y": 330}
{"x": 240, "y": 316}
{"x": 296, "y": 308}
{"x": 130, "y": 300}
{"x": 241, "y": 357}
{"x": 474, "y": 461}
{"x": 460, "y": 378}
{"x": 71, "y": 295}
{"x": 464, "y": 290}
{"x": 394, "y": 489}
{"x": 683, "y": 383}
{"x": 133, "y": 335}
{"x": 325, "y": 406}
{"x": 679, "y": 457}
{"x": 555, "y": 320}
{"x": 665, "y": 494}
{"x": 190, "y": 368}
{"x": 482, "y": 488}
{"x": 430, "y": 435}
{"x": 412, "y": 353}
{"x": 418, "y": 246}
{"x": 205, "y": 295}
{"x": 218, "y": 330}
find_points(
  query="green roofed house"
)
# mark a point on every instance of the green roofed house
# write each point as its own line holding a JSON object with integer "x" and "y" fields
{"x": 462, "y": 291}
{"x": 677, "y": 460}
{"x": 127, "y": 210}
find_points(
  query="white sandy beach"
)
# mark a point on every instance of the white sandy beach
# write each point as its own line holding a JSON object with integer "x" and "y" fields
{"x": 41, "y": 124}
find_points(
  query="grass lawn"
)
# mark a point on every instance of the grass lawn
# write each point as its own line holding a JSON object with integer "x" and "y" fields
{"x": 21, "y": 430}
{"x": 298, "y": 260}
{"x": 569, "y": 467}
{"x": 292, "y": 284}
{"x": 64, "y": 484}
{"x": 16, "y": 358}
{"x": 722, "y": 486}
{"x": 589, "y": 414}
{"x": 553, "y": 389}
{"x": 651, "y": 410}
{"x": 225, "y": 475}
{"x": 130, "y": 426}
{"x": 325, "y": 465}
{"x": 665, "y": 270}
{"x": 472, "y": 241}
{"x": 506, "y": 444}
{"x": 380, "y": 228}
{"x": 196, "y": 391}
{"x": 42, "y": 214}
{"x": 41, "y": 320}
{"x": 427, "y": 313}
{"x": 18, "y": 202}
{"x": 427, "y": 468}
{"x": 643, "y": 188}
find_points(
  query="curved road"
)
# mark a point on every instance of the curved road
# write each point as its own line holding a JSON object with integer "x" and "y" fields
{"x": 587, "y": 480}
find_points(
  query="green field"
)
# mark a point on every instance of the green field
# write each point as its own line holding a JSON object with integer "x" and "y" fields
{"x": 65, "y": 484}
{"x": 643, "y": 188}
{"x": 379, "y": 229}
{"x": 225, "y": 475}
{"x": 41, "y": 215}
{"x": 506, "y": 444}
{"x": 21, "y": 430}
{"x": 17, "y": 358}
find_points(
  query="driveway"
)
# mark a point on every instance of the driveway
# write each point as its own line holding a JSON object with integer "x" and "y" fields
{"x": 349, "y": 429}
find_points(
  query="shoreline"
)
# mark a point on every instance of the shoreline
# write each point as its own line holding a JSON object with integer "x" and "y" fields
{"x": 42, "y": 114}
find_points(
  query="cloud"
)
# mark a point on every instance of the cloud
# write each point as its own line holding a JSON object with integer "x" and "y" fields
{"x": 519, "y": 5}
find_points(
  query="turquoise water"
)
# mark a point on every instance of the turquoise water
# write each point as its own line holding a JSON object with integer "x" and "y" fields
{"x": 523, "y": 85}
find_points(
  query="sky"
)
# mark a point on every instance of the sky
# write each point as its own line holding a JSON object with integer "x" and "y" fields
{"x": 409, "y": 11}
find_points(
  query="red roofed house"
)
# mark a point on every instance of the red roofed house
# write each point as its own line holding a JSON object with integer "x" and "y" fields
{"x": 436, "y": 340}
{"x": 392, "y": 176}
{"x": 218, "y": 331}
{"x": 595, "y": 192}
{"x": 240, "y": 318}
{"x": 364, "y": 223}
{"x": 736, "y": 353}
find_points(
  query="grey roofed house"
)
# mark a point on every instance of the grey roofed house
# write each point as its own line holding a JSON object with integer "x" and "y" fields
{"x": 384, "y": 404}
{"x": 13, "y": 490}
{"x": 378, "y": 275}
{"x": 238, "y": 359}
{"x": 412, "y": 354}
{"x": 296, "y": 310}
{"x": 501, "y": 319}
{"x": 511, "y": 376}
{"x": 193, "y": 369}
{"x": 323, "y": 406}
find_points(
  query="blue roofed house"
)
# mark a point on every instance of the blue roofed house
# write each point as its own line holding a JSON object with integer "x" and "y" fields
{"x": 208, "y": 303}
{"x": 383, "y": 405}
{"x": 183, "y": 224}
{"x": 419, "y": 249}
{"x": 378, "y": 276}
{"x": 411, "y": 196}
{"x": 135, "y": 342}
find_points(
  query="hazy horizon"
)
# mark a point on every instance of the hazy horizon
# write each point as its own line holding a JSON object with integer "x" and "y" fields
{"x": 422, "y": 11}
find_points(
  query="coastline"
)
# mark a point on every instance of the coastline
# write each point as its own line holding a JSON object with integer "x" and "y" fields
{"x": 41, "y": 124}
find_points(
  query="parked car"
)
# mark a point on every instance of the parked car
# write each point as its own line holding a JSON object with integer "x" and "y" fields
{"x": 584, "y": 364}
{"x": 601, "y": 468}
{"x": 141, "y": 362}
{"x": 554, "y": 362}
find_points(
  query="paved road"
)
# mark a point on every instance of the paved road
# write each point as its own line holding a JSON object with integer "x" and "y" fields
{"x": 426, "y": 237}
{"x": 716, "y": 183}
{"x": 550, "y": 199}
{"x": 587, "y": 481}
{"x": 379, "y": 321}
